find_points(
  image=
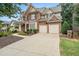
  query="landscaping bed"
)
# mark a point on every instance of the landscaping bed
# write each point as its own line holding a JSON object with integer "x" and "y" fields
{"x": 4, "y": 41}
{"x": 3, "y": 34}
{"x": 28, "y": 32}
{"x": 69, "y": 47}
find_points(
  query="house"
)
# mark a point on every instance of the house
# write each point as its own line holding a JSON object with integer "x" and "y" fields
{"x": 14, "y": 25}
{"x": 11, "y": 25}
{"x": 5, "y": 25}
{"x": 46, "y": 20}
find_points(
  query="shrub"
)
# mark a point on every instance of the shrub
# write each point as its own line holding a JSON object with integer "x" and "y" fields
{"x": 35, "y": 30}
{"x": 14, "y": 31}
{"x": 30, "y": 31}
{"x": 9, "y": 33}
{"x": 65, "y": 27}
{"x": 27, "y": 31}
{"x": 5, "y": 33}
{"x": 1, "y": 34}
{"x": 22, "y": 33}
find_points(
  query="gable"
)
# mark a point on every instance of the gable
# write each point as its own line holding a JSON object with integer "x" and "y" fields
{"x": 49, "y": 11}
{"x": 54, "y": 18}
{"x": 30, "y": 9}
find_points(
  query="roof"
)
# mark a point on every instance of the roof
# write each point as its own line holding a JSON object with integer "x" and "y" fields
{"x": 53, "y": 18}
{"x": 55, "y": 11}
{"x": 44, "y": 10}
{"x": 6, "y": 22}
{"x": 14, "y": 21}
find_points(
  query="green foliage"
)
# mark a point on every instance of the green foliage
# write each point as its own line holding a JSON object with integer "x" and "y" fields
{"x": 77, "y": 20}
{"x": 1, "y": 24}
{"x": 15, "y": 31}
{"x": 65, "y": 27}
{"x": 4, "y": 34}
{"x": 22, "y": 33}
{"x": 77, "y": 14}
{"x": 67, "y": 12}
{"x": 32, "y": 31}
{"x": 27, "y": 31}
{"x": 35, "y": 30}
{"x": 10, "y": 9}
{"x": 1, "y": 34}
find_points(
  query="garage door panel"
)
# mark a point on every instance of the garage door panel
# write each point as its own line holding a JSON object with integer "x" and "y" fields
{"x": 53, "y": 28}
{"x": 42, "y": 28}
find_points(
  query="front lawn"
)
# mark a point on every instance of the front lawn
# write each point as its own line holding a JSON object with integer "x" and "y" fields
{"x": 69, "y": 47}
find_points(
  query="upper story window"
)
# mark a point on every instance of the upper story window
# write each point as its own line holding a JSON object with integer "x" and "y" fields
{"x": 43, "y": 16}
{"x": 49, "y": 15}
{"x": 32, "y": 16}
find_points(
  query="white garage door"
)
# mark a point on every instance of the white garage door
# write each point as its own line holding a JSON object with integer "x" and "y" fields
{"x": 53, "y": 28}
{"x": 42, "y": 28}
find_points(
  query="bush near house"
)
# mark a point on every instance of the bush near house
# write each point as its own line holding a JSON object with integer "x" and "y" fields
{"x": 32, "y": 31}
{"x": 22, "y": 33}
{"x": 1, "y": 34}
{"x": 35, "y": 30}
{"x": 65, "y": 27}
{"x": 29, "y": 32}
{"x": 14, "y": 31}
{"x": 4, "y": 33}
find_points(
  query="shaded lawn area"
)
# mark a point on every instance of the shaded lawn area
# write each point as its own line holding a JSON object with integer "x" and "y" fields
{"x": 4, "y": 41}
{"x": 69, "y": 47}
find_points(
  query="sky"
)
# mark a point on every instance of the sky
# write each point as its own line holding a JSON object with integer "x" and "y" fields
{"x": 36, "y": 5}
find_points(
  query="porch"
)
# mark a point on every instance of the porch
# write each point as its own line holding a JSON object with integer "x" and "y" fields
{"x": 27, "y": 25}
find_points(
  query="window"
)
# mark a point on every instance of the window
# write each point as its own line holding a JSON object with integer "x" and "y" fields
{"x": 46, "y": 16}
{"x": 32, "y": 16}
{"x": 43, "y": 16}
{"x": 49, "y": 15}
{"x": 32, "y": 26}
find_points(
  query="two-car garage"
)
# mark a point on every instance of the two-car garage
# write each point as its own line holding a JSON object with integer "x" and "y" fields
{"x": 49, "y": 27}
{"x": 52, "y": 25}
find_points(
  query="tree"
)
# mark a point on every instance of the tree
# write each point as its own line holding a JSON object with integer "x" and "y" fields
{"x": 67, "y": 11}
{"x": 10, "y": 9}
{"x": 76, "y": 11}
{"x": 76, "y": 19}
{"x": 65, "y": 27}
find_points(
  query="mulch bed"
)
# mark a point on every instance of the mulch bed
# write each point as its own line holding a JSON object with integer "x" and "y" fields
{"x": 4, "y": 41}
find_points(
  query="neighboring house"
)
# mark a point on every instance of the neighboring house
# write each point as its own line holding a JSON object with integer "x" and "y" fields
{"x": 14, "y": 25}
{"x": 5, "y": 25}
{"x": 46, "y": 20}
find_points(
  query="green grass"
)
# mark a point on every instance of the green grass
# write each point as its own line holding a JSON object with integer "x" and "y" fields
{"x": 69, "y": 47}
{"x": 2, "y": 34}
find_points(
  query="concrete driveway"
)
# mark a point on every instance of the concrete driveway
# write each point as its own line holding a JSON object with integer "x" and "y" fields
{"x": 40, "y": 44}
